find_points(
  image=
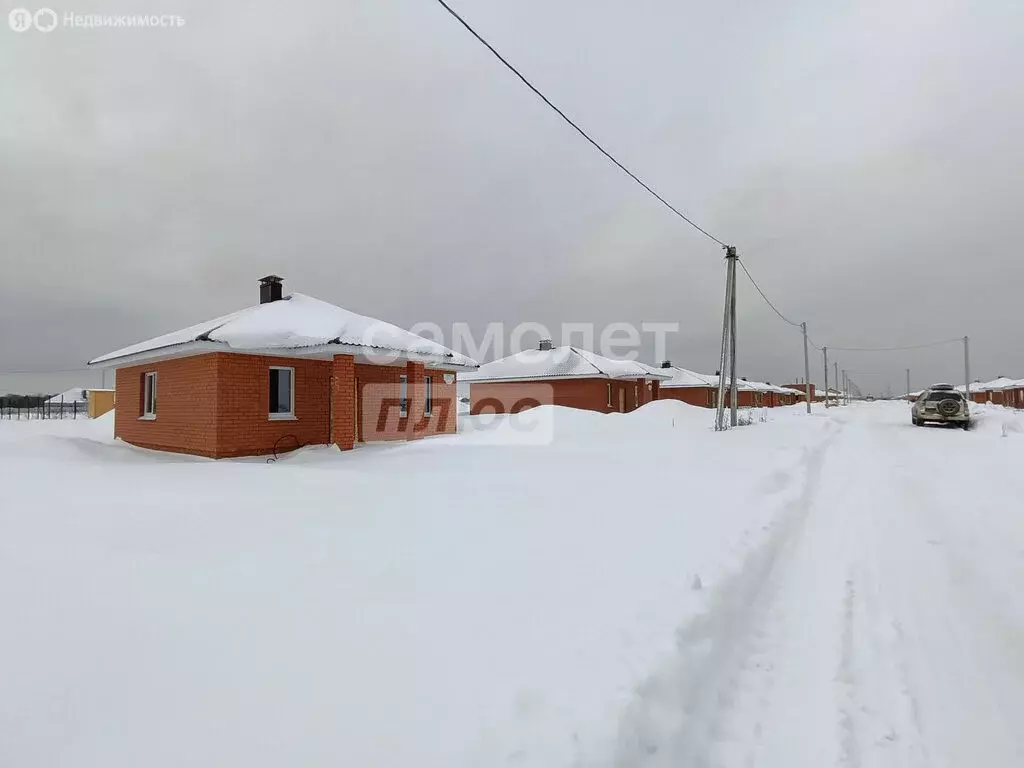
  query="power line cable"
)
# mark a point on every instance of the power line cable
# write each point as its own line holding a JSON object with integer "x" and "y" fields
{"x": 763, "y": 296}
{"x": 579, "y": 130}
{"x": 42, "y": 373}
{"x": 898, "y": 349}
{"x": 842, "y": 349}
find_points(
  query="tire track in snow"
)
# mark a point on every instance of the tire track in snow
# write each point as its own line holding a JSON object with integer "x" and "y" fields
{"x": 849, "y": 739}
{"x": 679, "y": 715}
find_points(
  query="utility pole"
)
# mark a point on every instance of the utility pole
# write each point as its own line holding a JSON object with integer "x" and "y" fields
{"x": 824, "y": 351}
{"x": 727, "y": 360}
{"x": 733, "y": 416}
{"x": 835, "y": 370}
{"x": 967, "y": 368}
{"x": 908, "y": 382}
{"x": 807, "y": 369}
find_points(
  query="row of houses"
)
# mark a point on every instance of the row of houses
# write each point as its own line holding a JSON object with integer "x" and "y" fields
{"x": 294, "y": 371}
{"x": 577, "y": 378}
{"x": 1000, "y": 391}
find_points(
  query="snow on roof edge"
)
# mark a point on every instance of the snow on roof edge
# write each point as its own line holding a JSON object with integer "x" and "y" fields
{"x": 296, "y": 322}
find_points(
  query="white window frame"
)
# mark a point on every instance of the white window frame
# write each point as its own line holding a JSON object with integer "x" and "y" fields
{"x": 290, "y": 415}
{"x": 428, "y": 395}
{"x": 148, "y": 396}
{"x": 403, "y": 396}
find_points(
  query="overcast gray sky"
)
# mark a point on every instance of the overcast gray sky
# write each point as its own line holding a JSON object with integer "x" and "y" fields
{"x": 866, "y": 158}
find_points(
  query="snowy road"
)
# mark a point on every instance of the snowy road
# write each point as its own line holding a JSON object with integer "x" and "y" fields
{"x": 840, "y": 589}
{"x": 883, "y": 624}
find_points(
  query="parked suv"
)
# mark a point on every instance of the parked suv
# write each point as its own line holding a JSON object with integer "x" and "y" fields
{"x": 941, "y": 403}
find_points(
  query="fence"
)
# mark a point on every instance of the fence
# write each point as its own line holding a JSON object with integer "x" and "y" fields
{"x": 45, "y": 410}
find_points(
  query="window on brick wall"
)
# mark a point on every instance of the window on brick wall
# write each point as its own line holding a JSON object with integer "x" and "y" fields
{"x": 428, "y": 396}
{"x": 609, "y": 395}
{"x": 149, "y": 395}
{"x": 282, "y": 393}
{"x": 403, "y": 396}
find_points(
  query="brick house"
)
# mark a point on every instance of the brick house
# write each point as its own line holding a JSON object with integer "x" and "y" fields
{"x": 702, "y": 389}
{"x": 802, "y": 389}
{"x": 289, "y": 371}
{"x": 1008, "y": 392}
{"x": 687, "y": 387}
{"x": 995, "y": 390}
{"x": 1015, "y": 394}
{"x": 566, "y": 376}
{"x": 778, "y": 396}
{"x": 748, "y": 394}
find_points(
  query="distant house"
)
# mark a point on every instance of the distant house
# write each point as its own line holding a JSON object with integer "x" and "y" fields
{"x": 687, "y": 386}
{"x": 702, "y": 389}
{"x": 802, "y": 388}
{"x": 778, "y": 396}
{"x": 84, "y": 400}
{"x": 1005, "y": 391}
{"x": 74, "y": 396}
{"x": 566, "y": 376}
{"x": 1014, "y": 394}
{"x": 992, "y": 391}
{"x": 827, "y": 395}
{"x": 748, "y": 394}
{"x": 289, "y": 371}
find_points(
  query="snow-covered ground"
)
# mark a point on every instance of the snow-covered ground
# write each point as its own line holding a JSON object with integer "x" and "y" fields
{"x": 626, "y": 590}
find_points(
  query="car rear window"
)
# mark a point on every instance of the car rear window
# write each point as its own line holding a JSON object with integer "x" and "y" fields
{"x": 934, "y": 397}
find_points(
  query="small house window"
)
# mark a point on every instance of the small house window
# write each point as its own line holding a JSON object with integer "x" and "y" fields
{"x": 149, "y": 395}
{"x": 428, "y": 396}
{"x": 282, "y": 393}
{"x": 403, "y": 396}
{"x": 609, "y": 395}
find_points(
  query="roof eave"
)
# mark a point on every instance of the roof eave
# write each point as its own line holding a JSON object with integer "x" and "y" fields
{"x": 201, "y": 346}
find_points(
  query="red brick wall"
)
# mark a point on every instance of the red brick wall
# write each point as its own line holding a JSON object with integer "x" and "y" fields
{"x": 244, "y": 426}
{"x": 379, "y": 392}
{"x": 802, "y": 388}
{"x": 587, "y": 394}
{"x": 443, "y": 419}
{"x": 217, "y": 404}
{"x": 343, "y": 402}
{"x": 702, "y": 396}
{"x": 186, "y": 399}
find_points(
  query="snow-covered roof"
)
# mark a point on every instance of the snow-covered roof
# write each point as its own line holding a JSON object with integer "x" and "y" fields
{"x": 765, "y": 387}
{"x": 827, "y": 393}
{"x": 681, "y": 378}
{"x": 561, "y": 363}
{"x": 996, "y": 384}
{"x": 741, "y": 385}
{"x": 73, "y": 395}
{"x": 297, "y": 322}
